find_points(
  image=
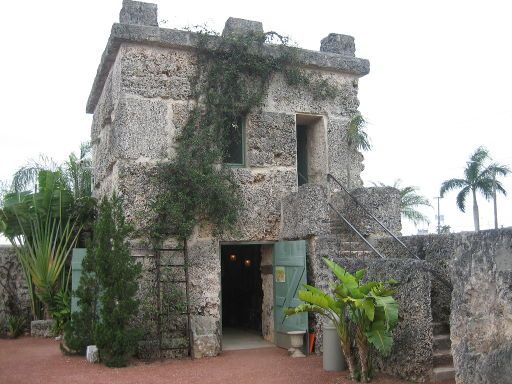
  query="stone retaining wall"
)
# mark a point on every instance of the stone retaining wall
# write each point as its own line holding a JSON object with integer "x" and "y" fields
{"x": 14, "y": 298}
{"x": 479, "y": 266}
{"x": 481, "y": 316}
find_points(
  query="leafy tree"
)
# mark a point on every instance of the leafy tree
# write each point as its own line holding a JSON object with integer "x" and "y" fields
{"x": 410, "y": 200}
{"x": 45, "y": 204}
{"x": 369, "y": 306}
{"x": 479, "y": 176}
{"x": 357, "y": 139}
{"x": 117, "y": 276}
{"x": 40, "y": 227}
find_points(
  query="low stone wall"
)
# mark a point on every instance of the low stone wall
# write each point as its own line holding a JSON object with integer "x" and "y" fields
{"x": 14, "y": 298}
{"x": 42, "y": 328}
{"x": 481, "y": 316}
{"x": 437, "y": 251}
{"x": 479, "y": 266}
{"x": 381, "y": 202}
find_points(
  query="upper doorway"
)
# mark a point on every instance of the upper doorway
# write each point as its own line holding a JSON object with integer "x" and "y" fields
{"x": 311, "y": 149}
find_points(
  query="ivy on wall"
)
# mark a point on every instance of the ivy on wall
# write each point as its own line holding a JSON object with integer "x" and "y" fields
{"x": 232, "y": 79}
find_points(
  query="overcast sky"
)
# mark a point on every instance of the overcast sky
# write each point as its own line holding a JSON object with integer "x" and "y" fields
{"x": 439, "y": 86}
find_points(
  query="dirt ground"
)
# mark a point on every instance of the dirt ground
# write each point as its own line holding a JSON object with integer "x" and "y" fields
{"x": 30, "y": 360}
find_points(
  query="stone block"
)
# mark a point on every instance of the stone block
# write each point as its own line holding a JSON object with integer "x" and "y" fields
{"x": 154, "y": 72}
{"x": 283, "y": 98}
{"x": 41, "y": 328}
{"x": 141, "y": 129}
{"x": 92, "y": 354}
{"x": 305, "y": 213}
{"x": 340, "y": 44}
{"x": 271, "y": 140}
{"x": 236, "y": 26}
{"x": 344, "y": 162}
{"x": 261, "y": 192}
{"x": 135, "y": 182}
{"x": 139, "y": 13}
{"x": 381, "y": 202}
{"x": 206, "y": 346}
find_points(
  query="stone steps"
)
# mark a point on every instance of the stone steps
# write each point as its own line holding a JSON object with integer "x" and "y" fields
{"x": 443, "y": 358}
{"x": 442, "y": 342}
{"x": 441, "y": 327}
{"x": 442, "y": 374}
{"x": 355, "y": 253}
{"x": 442, "y": 354}
{"x": 354, "y": 248}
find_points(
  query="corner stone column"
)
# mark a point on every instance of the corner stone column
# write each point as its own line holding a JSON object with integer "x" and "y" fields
{"x": 204, "y": 294}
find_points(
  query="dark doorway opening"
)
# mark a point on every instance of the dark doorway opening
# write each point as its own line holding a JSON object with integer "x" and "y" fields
{"x": 242, "y": 294}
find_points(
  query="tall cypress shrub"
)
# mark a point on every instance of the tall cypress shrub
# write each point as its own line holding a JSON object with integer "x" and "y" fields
{"x": 117, "y": 275}
{"x": 107, "y": 289}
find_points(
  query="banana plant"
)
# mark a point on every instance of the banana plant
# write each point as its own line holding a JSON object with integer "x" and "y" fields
{"x": 369, "y": 306}
{"x": 332, "y": 308}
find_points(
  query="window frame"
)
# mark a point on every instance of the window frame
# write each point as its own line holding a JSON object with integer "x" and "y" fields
{"x": 244, "y": 157}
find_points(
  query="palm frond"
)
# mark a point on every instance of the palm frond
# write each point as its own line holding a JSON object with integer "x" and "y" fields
{"x": 414, "y": 216}
{"x": 461, "y": 198}
{"x": 356, "y": 135}
{"x": 26, "y": 177}
{"x": 451, "y": 184}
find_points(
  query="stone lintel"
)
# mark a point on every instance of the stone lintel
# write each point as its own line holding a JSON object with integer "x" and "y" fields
{"x": 172, "y": 38}
{"x": 139, "y": 13}
{"x": 236, "y": 27}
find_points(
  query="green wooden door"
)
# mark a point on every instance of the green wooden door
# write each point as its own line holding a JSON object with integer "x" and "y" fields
{"x": 289, "y": 263}
{"x": 76, "y": 271}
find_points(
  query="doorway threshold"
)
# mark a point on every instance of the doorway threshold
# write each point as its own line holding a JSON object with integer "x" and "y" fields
{"x": 234, "y": 339}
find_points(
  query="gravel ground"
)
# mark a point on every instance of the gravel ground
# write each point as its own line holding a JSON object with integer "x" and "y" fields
{"x": 31, "y": 360}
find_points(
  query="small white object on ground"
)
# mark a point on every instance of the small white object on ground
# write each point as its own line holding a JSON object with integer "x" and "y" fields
{"x": 92, "y": 354}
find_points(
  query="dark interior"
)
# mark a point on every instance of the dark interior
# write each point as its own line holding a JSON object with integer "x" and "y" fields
{"x": 242, "y": 294}
{"x": 302, "y": 154}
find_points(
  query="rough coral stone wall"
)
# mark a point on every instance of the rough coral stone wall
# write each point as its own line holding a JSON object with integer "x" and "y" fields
{"x": 142, "y": 105}
{"x": 479, "y": 306}
{"x": 481, "y": 317}
{"x": 381, "y": 202}
{"x": 305, "y": 213}
{"x": 14, "y": 296}
{"x": 437, "y": 251}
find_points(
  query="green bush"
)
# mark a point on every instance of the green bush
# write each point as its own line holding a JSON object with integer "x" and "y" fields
{"x": 15, "y": 326}
{"x": 117, "y": 275}
{"x": 106, "y": 292}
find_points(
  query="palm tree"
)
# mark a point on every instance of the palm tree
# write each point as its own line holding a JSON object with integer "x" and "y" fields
{"x": 357, "y": 139}
{"x": 478, "y": 177}
{"x": 410, "y": 200}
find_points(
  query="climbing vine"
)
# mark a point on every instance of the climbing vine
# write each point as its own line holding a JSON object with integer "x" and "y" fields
{"x": 233, "y": 76}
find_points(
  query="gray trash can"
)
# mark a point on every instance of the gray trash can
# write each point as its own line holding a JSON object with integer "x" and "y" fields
{"x": 332, "y": 355}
